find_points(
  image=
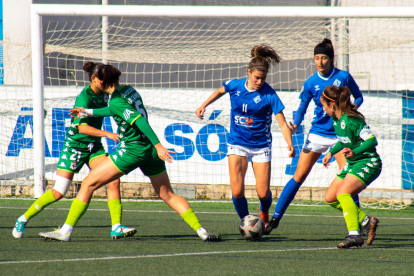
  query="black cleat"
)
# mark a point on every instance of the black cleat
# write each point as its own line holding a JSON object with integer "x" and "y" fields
{"x": 211, "y": 237}
{"x": 350, "y": 241}
{"x": 273, "y": 224}
{"x": 370, "y": 229}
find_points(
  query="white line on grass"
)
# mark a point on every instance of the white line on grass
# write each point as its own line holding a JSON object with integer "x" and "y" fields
{"x": 166, "y": 255}
{"x": 200, "y": 212}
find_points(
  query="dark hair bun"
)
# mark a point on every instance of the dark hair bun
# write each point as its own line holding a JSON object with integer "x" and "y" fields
{"x": 327, "y": 41}
{"x": 88, "y": 66}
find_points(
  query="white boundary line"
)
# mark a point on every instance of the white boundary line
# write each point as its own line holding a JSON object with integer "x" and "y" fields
{"x": 200, "y": 212}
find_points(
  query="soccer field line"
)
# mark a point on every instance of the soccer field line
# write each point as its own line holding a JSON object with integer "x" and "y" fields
{"x": 185, "y": 254}
{"x": 198, "y": 212}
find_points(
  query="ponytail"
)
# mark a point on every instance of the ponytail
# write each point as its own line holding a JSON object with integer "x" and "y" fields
{"x": 92, "y": 68}
{"x": 341, "y": 97}
{"x": 262, "y": 57}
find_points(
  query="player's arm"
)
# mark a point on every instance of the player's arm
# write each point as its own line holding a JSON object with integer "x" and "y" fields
{"x": 122, "y": 109}
{"x": 80, "y": 112}
{"x": 287, "y": 134}
{"x": 356, "y": 93}
{"x": 305, "y": 99}
{"x": 213, "y": 97}
{"x": 334, "y": 150}
{"x": 91, "y": 131}
{"x": 370, "y": 142}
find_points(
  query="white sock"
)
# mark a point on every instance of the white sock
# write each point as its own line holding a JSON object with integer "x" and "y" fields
{"x": 354, "y": 233}
{"x": 115, "y": 226}
{"x": 201, "y": 231}
{"x": 66, "y": 229}
{"x": 22, "y": 218}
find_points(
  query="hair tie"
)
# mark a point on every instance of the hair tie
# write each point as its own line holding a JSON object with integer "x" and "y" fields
{"x": 323, "y": 93}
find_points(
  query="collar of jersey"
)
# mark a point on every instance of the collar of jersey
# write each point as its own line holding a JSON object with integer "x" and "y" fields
{"x": 248, "y": 90}
{"x": 329, "y": 74}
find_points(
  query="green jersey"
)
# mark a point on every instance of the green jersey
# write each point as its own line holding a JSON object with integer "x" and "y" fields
{"x": 126, "y": 107}
{"x": 87, "y": 99}
{"x": 352, "y": 132}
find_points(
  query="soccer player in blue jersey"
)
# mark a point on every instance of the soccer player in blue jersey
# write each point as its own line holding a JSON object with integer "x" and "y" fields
{"x": 321, "y": 136}
{"x": 252, "y": 103}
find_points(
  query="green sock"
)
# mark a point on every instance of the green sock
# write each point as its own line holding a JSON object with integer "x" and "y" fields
{"x": 43, "y": 201}
{"x": 115, "y": 208}
{"x": 350, "y": 211}
{"x": 337, "y": 205}
{"x": 76, "y": 211}
{"x": 191, "y": 219}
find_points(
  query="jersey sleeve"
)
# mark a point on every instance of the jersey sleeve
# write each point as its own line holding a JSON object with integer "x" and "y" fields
{"x": 123, "y": 109}
{"x": 356, "y": 93}
{"x": 102, "y": 112}
{"x": 305, "y": 98}
{"x": 82, "y": 101}
{"x": 274, "y": 101}
{"x": 229, "y": 85}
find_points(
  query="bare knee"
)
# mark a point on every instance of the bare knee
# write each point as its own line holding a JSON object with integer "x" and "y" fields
{"x": 263, "y": 194}
{"x": 56, "y": 194}
{"x": 114, "y": 185}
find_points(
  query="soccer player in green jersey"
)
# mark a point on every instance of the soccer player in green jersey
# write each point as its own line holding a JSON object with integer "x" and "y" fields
{"x": 139, "y": 147}
{"x": 82, "y": 146}
{"x": 357, "y": 143}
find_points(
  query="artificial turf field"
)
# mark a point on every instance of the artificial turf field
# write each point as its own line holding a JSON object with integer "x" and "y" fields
{"x": 303, "y": 244}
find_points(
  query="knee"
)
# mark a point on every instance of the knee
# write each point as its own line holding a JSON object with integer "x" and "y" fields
{"x": 57, "y": 195}
{"x": 237, "y": 193}
{"x": 167, "y": 195}
{"x": 264, "y": 194}
{"x": 114, "y": 185}
{"x": 300, "y": 175}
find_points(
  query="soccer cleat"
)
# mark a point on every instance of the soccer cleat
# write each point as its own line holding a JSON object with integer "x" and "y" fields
{"x": 273, "y": 224}
{"x": 19, "y": 229}
{"x": 265, "y": 218}
{"x": 56, "y": 235}
{"x": 350, "y": 241}
{"x": 122, "y": 231}
{"x": 206, "y": 237}
{"x": 370, "y": 229}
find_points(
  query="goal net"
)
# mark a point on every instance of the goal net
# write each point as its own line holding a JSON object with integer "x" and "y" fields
{"x": 176, "y": 63}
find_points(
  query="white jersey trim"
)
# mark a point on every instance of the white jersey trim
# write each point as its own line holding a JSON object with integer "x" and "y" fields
{"x": 245, "y": 86}
{"x": 322, "y": 77}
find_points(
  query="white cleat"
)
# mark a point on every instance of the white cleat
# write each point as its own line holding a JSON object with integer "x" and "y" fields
{"x": 206, "y": 237}
{"x": 19, "y": 229}
{"x": 123, "y": 231}
{"x": 56, "y": 235}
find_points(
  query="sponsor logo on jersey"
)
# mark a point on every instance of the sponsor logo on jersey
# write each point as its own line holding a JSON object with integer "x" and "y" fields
{"x": 62, "y": 165}
{"x": 344, "y": 139}
{"x": 90, "y": 146}
{"x": 317, "y": 87}
{"x": 343, "y": 124}
{"x": 366, "y": 169}
{"x": 257, "y": 99}
{"x": 337, "y": 83}
{"x": 238, "y": 93}
{"x": 365, "y": 133}
{"x": 73, "y": 166}
{"x": 243, "y": 120}
{"x": 127, "y": 114}
{"x": 361, "y": 174}
{"x": 64, "y": 157}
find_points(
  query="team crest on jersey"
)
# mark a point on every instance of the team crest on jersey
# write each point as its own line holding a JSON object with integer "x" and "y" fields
{"x": 343, "y": 124}
{"x": 257, "y": 99}
{"x": 317, "y": 87}
{"x": 337, "y": 83}
{"x": 62, "y": 165}
{"x": 73, "y": 166}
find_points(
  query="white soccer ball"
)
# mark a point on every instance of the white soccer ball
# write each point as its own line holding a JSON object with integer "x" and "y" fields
{"x": 252, "y": 227}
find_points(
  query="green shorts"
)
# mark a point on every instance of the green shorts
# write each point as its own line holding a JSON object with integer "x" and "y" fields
{"x": 75, "y": 154}
{"x": 366, "y": 170}
{"x": 132, "y": 155}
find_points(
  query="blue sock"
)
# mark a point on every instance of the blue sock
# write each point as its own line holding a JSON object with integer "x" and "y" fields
{"x": 288, "y": 194}
{"x": 356, "y": 200}
{"x": 265, "y": 204}
{"x": 240, "y": 204}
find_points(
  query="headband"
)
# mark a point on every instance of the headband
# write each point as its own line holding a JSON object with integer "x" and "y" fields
{"x": 323, "y": 93}
{"x": 322, "y": 48}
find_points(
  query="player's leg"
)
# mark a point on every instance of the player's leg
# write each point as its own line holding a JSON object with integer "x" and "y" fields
{"x": 102, "y": 174}
{"x": 349, "y": 186}
{"x": 114, "y": 203}
{"x": 261, "y": 163}
{"x": 341, "y": 161}
{"x": 162, "y": 187}
{"x": 62, "y": 185}
{"x": 237, "y": 170}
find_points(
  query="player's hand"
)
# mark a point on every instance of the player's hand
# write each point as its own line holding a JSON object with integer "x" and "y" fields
{"x": 292, "y": 127}
{"x": 77, "y": 112}
{"x": 326, "y": 159}
{"x": 113, "y": 136}
{"x": 163, "y": 153}
{"x": 200, "y": 112}
{"x": 347, "y": 152}
{"x": 291, "y": 150}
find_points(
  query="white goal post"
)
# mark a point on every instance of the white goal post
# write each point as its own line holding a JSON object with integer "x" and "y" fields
{"x": 39, "y": 10}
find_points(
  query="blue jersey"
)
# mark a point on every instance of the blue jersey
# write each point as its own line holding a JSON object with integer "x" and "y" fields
{"x": 313, "y": 88}
{"x": 251, "y": 114}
